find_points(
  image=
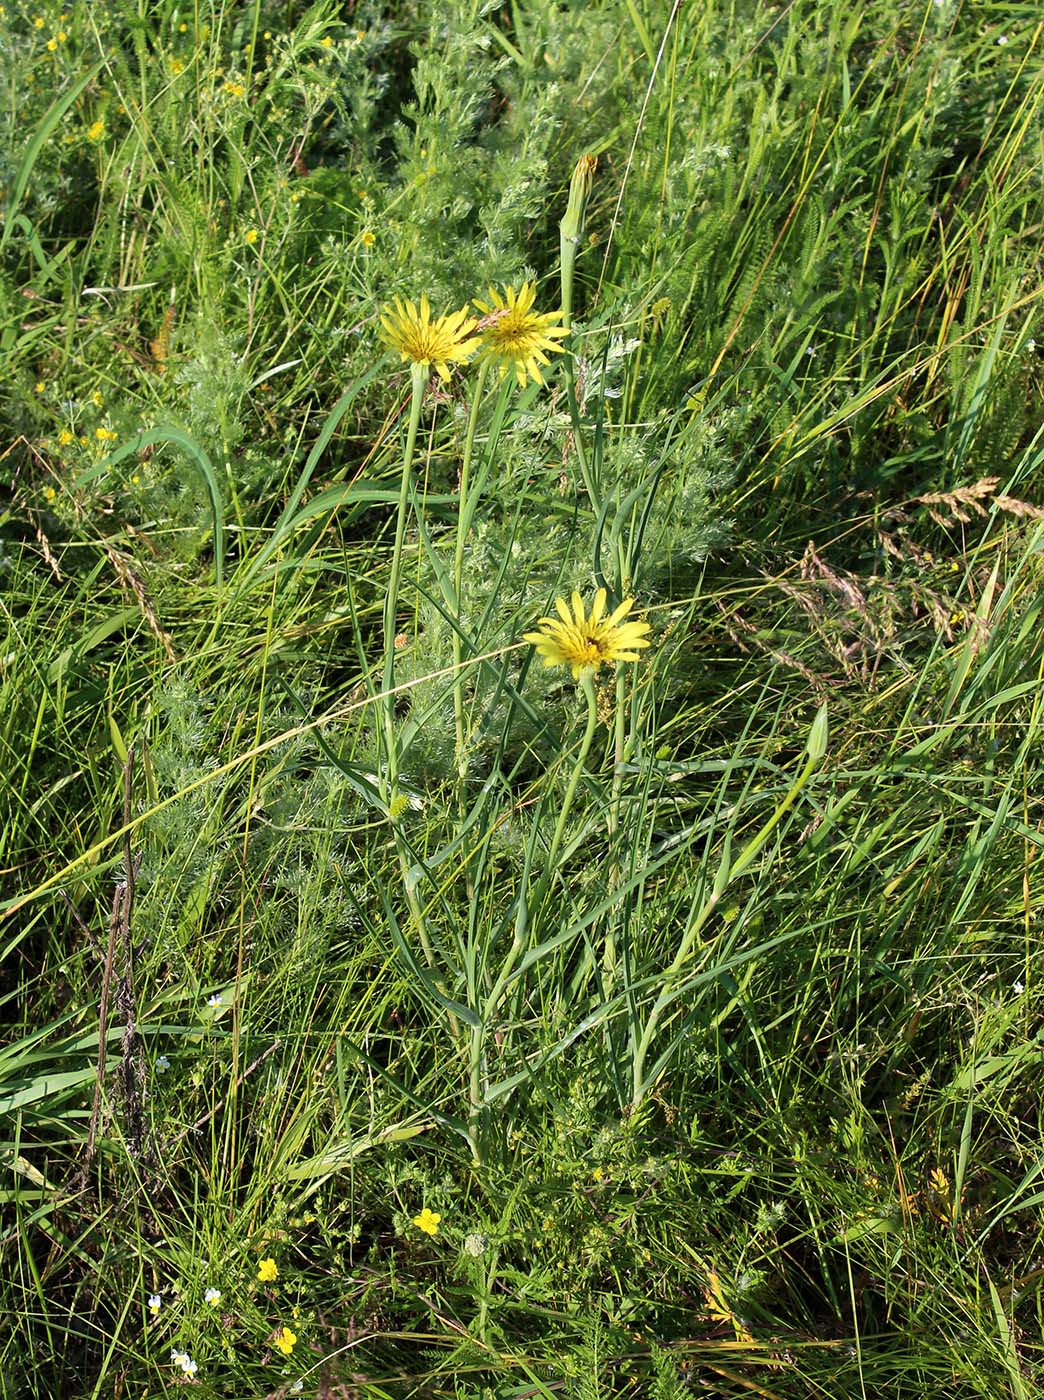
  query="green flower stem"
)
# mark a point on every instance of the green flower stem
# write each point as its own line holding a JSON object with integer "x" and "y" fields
{"x": 389, "y": 778}
{"x": 619, "y": 750}
{"x": 619, "y": 755}
{"x": 464, "y": 514}
{"x": 568, "y": 242}
{"x": 588, "y": 687}
{"x": 389, "y": 782}
{"x": 526, "y": 928}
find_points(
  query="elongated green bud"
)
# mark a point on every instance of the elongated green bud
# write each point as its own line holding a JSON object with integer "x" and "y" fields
{"x": 572, "y": 226}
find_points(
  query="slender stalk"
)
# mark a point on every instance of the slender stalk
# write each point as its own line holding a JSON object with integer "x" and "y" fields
{"x": 389, "y": 779}
{"x": 525, "y": 928}
{"x": 619, "y": 754}
{"x": 570, "y": 230}
{"x": 464, "y": 514}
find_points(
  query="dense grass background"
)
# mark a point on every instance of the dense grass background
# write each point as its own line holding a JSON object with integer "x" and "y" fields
{"x": 755, "y": 1109}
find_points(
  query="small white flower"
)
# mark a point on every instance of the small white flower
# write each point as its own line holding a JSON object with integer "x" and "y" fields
{"x": 180, "y": 1358}
{"x": 162, "y": 1063}
{"x": 214, "y": 1000}
{"x": 1002, "y": 39}
{"x": 190, "y": 1368}
{"x": 297, "y": 1387}
{"x": 1018, "y": 988}
{"x": 212, "y": 1297}
{"x": 155, "y": 1303}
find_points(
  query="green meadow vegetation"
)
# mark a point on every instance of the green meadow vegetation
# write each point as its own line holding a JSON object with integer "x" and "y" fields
{"x": 387, "y": 1013}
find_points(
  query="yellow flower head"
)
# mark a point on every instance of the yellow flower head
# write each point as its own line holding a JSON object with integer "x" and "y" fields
{"x": 368, "y": 238}
{"x": 285, "y": 1340}
{"x": 423, "y": 341}
{"x": 96, "y": 130}
{"x": 267, "y": 1271}
{"x": 428, "y": 1221}
{"x": 584, "y": 642}
{"x": 514, "y": 336}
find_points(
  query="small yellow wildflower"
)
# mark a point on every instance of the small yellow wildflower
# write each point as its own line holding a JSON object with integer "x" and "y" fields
{"x": 61, "y": 36}
{"x": 49, "y": 493}
{"x": 96, "y": 130}
{"x": 105, "y": 435}
{"x": 52, "y": 45}
{"x": 368, "y": 238}
{"x": 96, "y": 398}
{"x": 514, "y": 336}
{"x": 235, "y": 89}
{"x": 176, "y": 66}
{"x": 65, "y": 438}
{"x": 423, "y": 341}
{"x": 38, "y": 22}
{"x": 285, "y": 1340}
{"x": 428, "y": 1221}
{"x": 267, "y": 1271}
{"x": 327, "y": 42}
{"x": 583, "y": 642}
{"x": 250, "y": 236}
{"x": 39, "y": 386}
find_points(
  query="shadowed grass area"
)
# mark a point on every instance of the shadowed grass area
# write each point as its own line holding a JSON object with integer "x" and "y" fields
{"x": 388, "y": 1014}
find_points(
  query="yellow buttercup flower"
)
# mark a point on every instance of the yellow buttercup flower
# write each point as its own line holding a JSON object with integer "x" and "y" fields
{"x": 422, "y": 341}
{"x": 514, "y": 336}
{"x": 428, "y": 1221}
{"x": 267, "y": 1271}
{"x": 584, "y": 642}
{"x": 286, "y": 1340}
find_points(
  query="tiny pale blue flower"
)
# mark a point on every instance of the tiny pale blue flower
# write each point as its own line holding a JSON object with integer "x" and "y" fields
{"x": 162, "y": 1063}
{"x": 155, "y": 1303}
